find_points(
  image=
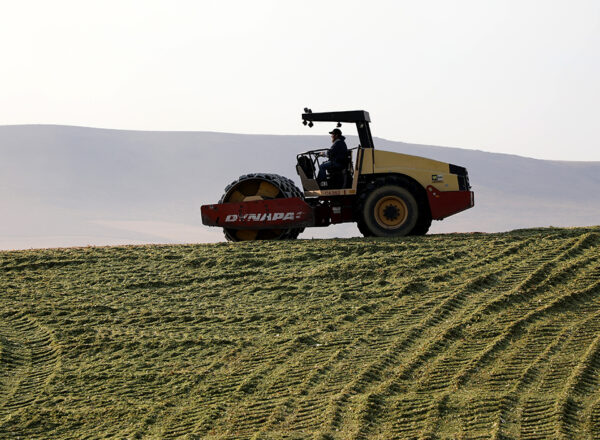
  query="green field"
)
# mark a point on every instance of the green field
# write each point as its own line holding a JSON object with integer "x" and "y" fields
{"x": 457, "y": 336}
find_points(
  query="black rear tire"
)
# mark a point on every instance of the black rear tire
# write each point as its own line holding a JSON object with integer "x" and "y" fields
{"x": 391, "y": 207}
{"x": 364, "y": 230}
{"x": 424, "y": 222}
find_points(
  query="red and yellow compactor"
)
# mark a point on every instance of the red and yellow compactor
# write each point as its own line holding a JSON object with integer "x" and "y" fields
{"x": 387, "y": 194}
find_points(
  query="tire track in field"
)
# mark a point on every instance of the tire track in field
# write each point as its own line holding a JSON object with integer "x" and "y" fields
{"x": 251, "y": 369}
{"x": 527, "y": 293}
{"x": 234, "y": 383}
{"x": 439, "y": 344}
{"x": 546, "y": 404}
{"x": 244, "y": 368}
{"x": 275, "y": 416}
{"x": 209, "y": 402}
{"x": 377, "y": 316}
{"x": 566, "y": 414}
{"x": 412, "y": 320}
{"x": 362, "y": 329}
{"x": 431, "y": 406}
{"x": 30, "y": 358}
{"x": 593, "y": 422}
{"x": 529, "y": 314}
{"x": 581, "y": 383}
{"x": 317, "y": 365}
{"x": 440, "y": 375}
{"x": 376, "y": 375}
{"x": 529, "y": 358}
{"x": 529, "y": 363}
{"x": 150, "y": 424}
{"x": 543, "y": 344}
{"x": 535, "y": 362}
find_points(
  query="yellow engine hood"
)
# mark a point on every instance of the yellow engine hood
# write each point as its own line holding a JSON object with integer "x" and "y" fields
{"x": 423, "y": 170}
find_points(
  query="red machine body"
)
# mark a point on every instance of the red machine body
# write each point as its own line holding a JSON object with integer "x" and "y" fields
{"x": 294, "y": 212}
{"x": 259, "y": 214}
{"x": 445, "y": 203}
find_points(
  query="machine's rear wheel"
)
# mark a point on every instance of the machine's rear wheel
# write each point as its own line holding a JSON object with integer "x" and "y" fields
{"x": 363, "y": 229}
{"x": 260, "y": 186}
{"x": 387, "y": 209}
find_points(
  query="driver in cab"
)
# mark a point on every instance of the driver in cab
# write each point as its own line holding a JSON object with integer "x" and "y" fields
{"x": 336, "y": 155}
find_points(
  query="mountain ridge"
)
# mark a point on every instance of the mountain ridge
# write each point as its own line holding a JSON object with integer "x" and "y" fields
{"x": 111, "y": 184}
{"x": 386, "y": 140}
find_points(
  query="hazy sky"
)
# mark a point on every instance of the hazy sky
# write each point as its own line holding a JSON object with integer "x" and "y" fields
{"x": 508, "y": 76}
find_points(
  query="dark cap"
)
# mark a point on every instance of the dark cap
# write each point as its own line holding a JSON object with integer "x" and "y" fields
{"x": 336, "y": 131}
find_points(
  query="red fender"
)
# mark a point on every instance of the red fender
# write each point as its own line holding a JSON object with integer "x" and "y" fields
{"x": 446, "y": 203}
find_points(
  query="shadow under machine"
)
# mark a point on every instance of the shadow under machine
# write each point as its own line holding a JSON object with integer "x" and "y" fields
{"x": 387, "y": 194}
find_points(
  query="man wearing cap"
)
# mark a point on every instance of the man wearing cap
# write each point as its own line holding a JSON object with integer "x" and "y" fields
{"x": 337, "y": 155}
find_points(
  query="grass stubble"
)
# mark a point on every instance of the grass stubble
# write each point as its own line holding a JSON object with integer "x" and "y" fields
{"x": 456, "y": 336}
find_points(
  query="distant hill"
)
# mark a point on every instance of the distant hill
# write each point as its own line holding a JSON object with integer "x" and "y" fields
{"x": 455, "y": 336}
{"x": 65, "y": 186}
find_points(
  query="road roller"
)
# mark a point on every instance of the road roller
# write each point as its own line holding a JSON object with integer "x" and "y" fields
{"x": 387, "y": 194}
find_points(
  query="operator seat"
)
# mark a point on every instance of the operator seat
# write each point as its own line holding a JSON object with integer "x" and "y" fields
{"x": 341, "y": 179}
